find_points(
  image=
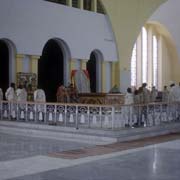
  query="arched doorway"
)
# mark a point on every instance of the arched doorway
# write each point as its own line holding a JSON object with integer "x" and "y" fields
{"x": 4, "y": 66}
{"x": 91, "y": 68}
{"x": 94, "y": 69}
{"x": 52, "y": 68}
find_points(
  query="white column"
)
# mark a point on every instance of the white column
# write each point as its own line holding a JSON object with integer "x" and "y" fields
{"x": 26, "y": 64}
{"x": 139, "y": 61}
{"x": 150, "y": 58}
{"x": 108, "y": 77}
{"x": 160, "y": 85}
{"x": 94, "y": 5}
{"x": 81, "y": 4}
{"x": 69, "y": 3}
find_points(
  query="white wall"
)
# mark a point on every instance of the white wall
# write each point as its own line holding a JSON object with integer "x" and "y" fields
{"x": 168, "y": 15}
{"x": 29, "y": 24}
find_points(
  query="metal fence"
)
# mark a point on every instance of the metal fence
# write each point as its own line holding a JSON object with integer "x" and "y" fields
{"x": 146, "y": 115}
{"x": 91, "y": 116}
{"x": 70, "y": 115}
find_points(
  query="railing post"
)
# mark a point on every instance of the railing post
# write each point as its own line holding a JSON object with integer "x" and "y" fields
{"x": 45, "y": 114}
{"x": 161, "y": 110}
{"x": 26, "y": 113}
{"x": 154, "y": 118}
{"x": 88, "y": 114}
{"x": 9, "y": 110}
{"x": 36, "y": 113}
{"x": 17, "y": 111}
{"x": 77, "y": 124}
{"x": 100, "y": 114}
{"x": 55, "y": 113}
{"x": 65, "y": 118}
{"x": 113, "y": 116}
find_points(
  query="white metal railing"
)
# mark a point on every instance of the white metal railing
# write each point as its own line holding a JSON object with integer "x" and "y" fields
{"x": 91, "y": 116}
{"x": 145, "y": 115}
{"x": 71, "y": 115}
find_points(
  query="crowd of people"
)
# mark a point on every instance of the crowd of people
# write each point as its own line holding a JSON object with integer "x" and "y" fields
{"x": 22, "y": 94}
{"x": 143, "y": 95}
{"x": 70, "y": 94}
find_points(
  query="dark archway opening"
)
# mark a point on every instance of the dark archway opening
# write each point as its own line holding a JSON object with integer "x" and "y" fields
{"x": 51, "y": 69}
{"x": 4, "y": 66}
{"x": 91, "y": 68}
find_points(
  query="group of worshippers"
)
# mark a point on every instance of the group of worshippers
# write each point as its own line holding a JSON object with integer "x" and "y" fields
{"x": 144, "y": 96}
{"x": 20, "y": 94}
{"x": 64, "y": 94}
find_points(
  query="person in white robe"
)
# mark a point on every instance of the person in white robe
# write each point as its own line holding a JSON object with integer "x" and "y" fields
{"x": 128, "y": 110}
{"x": 11, "y": 97}
{"x": 165, "y": 94}
{"x": 173, "y": 92}
{"x": 18, "y": 93}
{"x": 145, "y": 93}
{"x": 21, "y": 94}
{"x": 145, "y": 100}
{"x": 173, "y": 99}
{"x": 10, "y": 93}
{"x": 153, "y": 94}
{"x": 40, "y": 97}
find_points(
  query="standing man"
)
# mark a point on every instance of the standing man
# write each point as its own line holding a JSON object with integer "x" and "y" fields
{"x": 40, "y": 97}
{"x": 10, "y": 93}
{"x": 165, "y": 94}
{"x": 11, "y": 96}
{"x": 146, "y": 100}
{"x": 154, "y": 94}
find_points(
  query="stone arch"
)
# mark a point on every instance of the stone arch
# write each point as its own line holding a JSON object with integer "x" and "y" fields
{"x": 53, "y": 66}
{"x": 161, "y": 29}
{"x": 172, "y": 59}
{"x": 11, "y": 64}
{"x": 94, "y": 67}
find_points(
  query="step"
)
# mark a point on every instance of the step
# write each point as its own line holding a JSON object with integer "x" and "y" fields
{"x": 90, "y": 136}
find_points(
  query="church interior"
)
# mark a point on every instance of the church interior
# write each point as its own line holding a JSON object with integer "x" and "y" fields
{"x": 100, "y": 89}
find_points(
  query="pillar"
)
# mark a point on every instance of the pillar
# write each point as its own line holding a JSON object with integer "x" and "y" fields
{"x": 81, "y": 4}
{"x": 139, "y": 62}
{"x": 150, "y": 58}
{"x": 114, "y": 74}
{"x": 34, "y": 64}
{"x": 94, "y": 5}
{"x": 83, "y": 64}
{"x": 69, "y": 3}
{"x": 104, "y": 80}
{"x": 160, "y": 64}
{"x": 72, "y": 64}
{"x": 19, "y": 62}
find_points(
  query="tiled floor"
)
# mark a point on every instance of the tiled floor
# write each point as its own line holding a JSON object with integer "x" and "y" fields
{"x": 153, "y": 162}
{"x": 15, "y": 147}
{"x": 116, "y": 147}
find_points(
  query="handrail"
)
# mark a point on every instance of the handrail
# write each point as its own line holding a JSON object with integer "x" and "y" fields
{"x": 91, "y": 115}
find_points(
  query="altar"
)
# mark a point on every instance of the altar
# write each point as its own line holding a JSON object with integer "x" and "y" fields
{"x": 101, "y": 98}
